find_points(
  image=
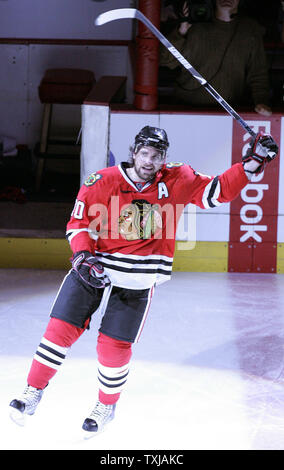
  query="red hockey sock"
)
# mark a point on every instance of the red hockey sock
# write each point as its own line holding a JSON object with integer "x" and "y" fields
{"x": 51, "y": 352}
{"x": 113, "y": 357}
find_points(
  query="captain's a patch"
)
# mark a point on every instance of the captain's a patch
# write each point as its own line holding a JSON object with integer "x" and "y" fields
{"x": 92, "y": 179}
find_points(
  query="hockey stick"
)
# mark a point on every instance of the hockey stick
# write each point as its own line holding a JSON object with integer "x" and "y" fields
{"x": 133, "y": 13}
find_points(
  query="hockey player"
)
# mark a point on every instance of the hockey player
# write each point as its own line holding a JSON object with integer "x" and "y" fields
{"x": 122, "y": 234}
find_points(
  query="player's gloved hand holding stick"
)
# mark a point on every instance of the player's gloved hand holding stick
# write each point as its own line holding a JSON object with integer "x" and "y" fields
{"x": 90, "y": 271}
{"x": 262, "y": 150}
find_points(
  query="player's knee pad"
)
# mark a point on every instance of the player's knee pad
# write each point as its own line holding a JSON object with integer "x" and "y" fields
{"x": 62, "y": 333}
{"x": 113, "y": 352}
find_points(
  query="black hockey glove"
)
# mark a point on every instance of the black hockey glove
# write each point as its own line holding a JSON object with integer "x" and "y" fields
{"x": 89, "y": 269}
{"x": 262, "y": 150}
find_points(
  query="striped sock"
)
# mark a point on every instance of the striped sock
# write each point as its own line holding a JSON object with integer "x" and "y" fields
{"x": 113, "y": 358}
{"x": 111, "y": 382}
{"x": 50, "y": 354}
{"x": 47, "y": 360}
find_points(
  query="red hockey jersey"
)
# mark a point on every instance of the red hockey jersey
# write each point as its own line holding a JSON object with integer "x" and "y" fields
{"x": 131, "y": 227}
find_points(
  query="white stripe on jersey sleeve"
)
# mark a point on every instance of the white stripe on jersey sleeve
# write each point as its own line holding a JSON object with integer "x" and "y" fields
{"x": 72, "y": 233}
{"x": 211, "y": 200}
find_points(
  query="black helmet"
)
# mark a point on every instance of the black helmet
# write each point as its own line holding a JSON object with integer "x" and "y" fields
{"x": 153, "y": 137}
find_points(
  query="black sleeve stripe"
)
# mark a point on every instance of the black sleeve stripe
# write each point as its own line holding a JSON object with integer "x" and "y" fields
{"x": 212, "y": 191}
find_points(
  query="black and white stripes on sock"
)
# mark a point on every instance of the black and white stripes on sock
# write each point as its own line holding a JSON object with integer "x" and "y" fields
{"x": 50, "y": 354}
{"x": 112, "y": 379}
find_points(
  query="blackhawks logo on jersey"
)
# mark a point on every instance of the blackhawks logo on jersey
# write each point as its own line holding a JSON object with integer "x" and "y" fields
{"x": 139, "y": 220}
{"x": 92, "y": 179}
{"x": 174, "y": 164}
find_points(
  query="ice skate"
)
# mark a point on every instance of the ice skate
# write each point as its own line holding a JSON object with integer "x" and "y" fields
{"x": 99, "y": 417}
{"x": 25, "y": 405}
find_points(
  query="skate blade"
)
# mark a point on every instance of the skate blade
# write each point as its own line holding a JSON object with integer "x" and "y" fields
{"x": 90, "y": 434}
{"x": 87, "y": 435}
{"x": 18, "y": 417}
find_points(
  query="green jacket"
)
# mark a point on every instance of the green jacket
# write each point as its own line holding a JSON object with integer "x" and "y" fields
{"x": 229, "y": 55}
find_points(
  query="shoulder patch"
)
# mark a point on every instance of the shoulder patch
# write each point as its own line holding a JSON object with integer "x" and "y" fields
{"x": 174, "y": 164}
{"x": 92, "y": 179}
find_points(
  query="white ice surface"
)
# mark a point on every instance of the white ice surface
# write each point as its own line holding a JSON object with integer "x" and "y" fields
{"x": 206, "y": 374}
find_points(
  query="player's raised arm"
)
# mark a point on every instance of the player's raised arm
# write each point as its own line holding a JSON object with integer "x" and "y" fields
{"x": 209, "y": 192}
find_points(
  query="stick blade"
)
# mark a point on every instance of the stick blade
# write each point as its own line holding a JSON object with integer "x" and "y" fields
{"x": 117, "y": 14}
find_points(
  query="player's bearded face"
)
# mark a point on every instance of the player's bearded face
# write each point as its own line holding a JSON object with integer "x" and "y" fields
{"x": 147, "y": 161}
